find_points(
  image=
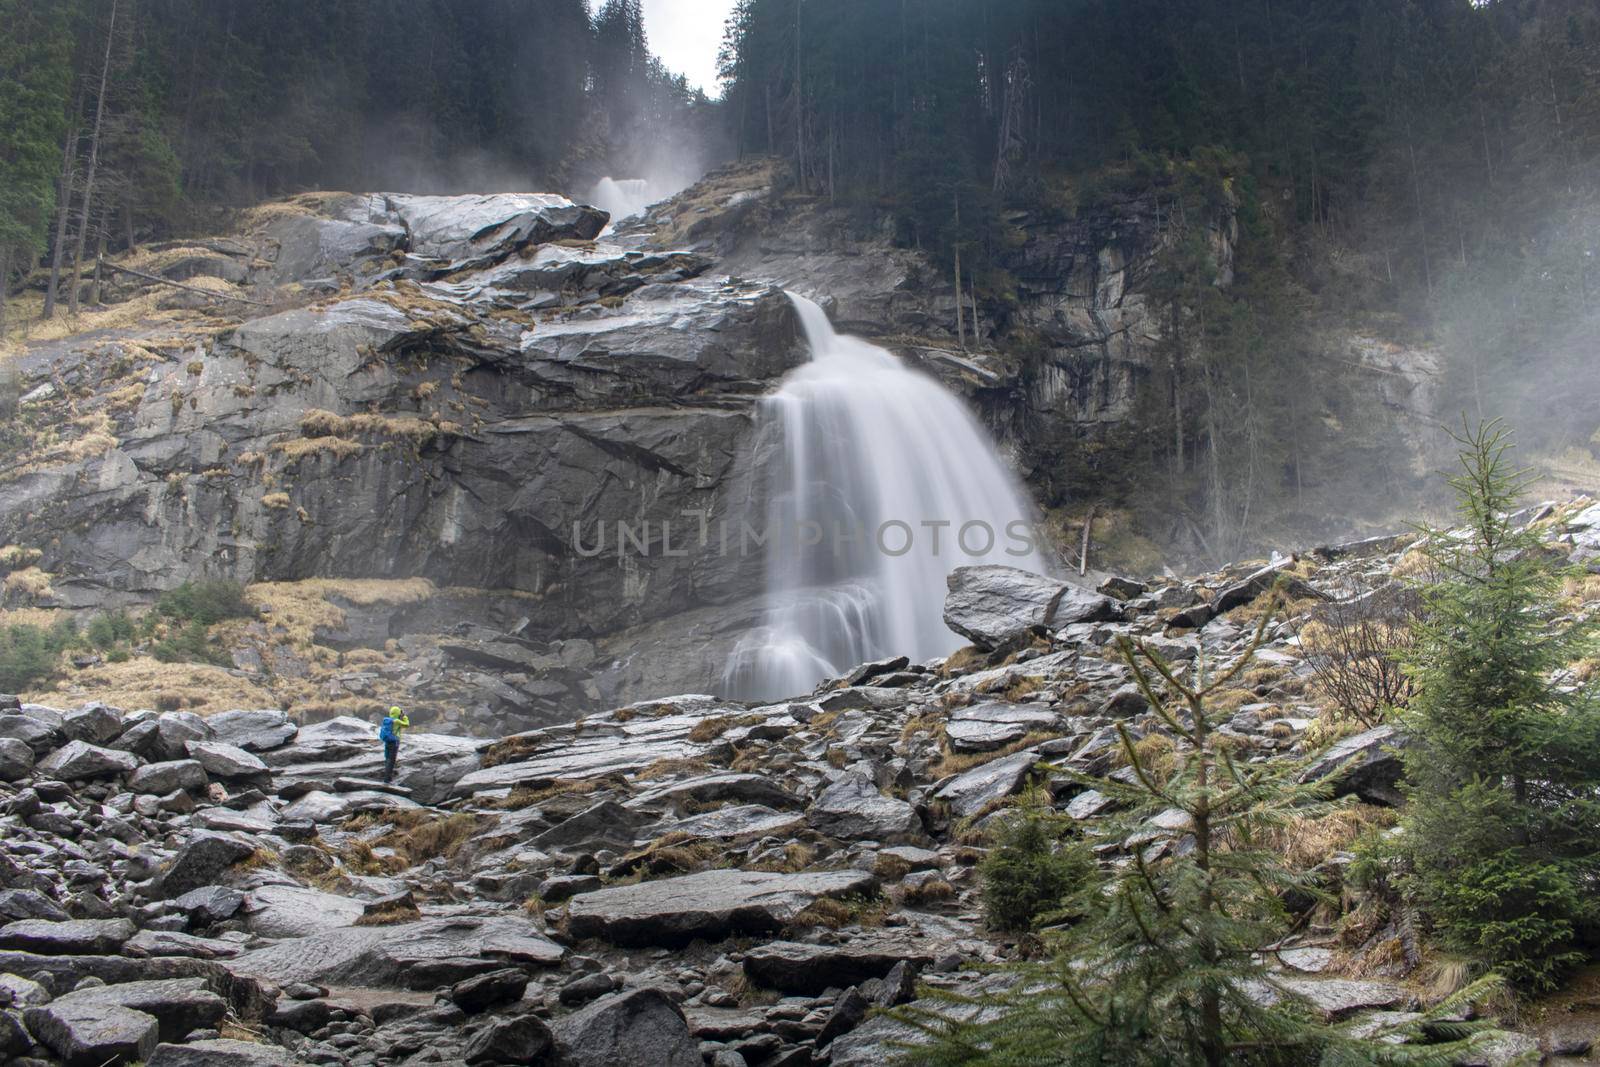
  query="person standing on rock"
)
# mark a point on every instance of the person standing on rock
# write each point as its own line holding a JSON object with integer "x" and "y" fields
{"x": 394, "y": 724}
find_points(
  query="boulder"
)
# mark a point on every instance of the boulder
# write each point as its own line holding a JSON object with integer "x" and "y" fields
{"x": 200, "y": 862}
{"x": 38, "y": 734}
{"x": 853, "y": 809}
{"x": 227, "y": 762}
{"x": 179, "y": 1005}
{"x": 282, "y": 911}
{"x": 383, "y": 957}
{"x": 710, "y": 788}
{"x": 521, "y": 1039}
{"x": 993, "y": 605}
{"x": 638, "y": 1026}
{"x": 210, "y": 904}
{"x": 973, "y": 790}
{"x": 16, "y": 759}
{"x": 491, "y": 990}
{"x": 803, "y": 969}
{"x": 461, "y": 227}
{"x": 163, "y": 778}
{"x": 28, "y": 904}
{"x": 253, "y": 731}
{"x": 175, "y": 729}
{"x": 72, "y": 937}
{"x": 78, "y": 761}
{"x": 93, "y": 1035}
{"x": 993, "y": 724}
{"x": 710, "y": 904}
{"x": 220, "y": 1052}
{"x": 148, "y": 943}
{"x": 94, "y": 723}
{"x": 1367, "y": 765}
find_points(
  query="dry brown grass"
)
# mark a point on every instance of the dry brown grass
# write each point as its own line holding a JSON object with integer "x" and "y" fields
{"x": 1415, "y": 563}
{"x": 318, "y": 424}
{"x": 889, "y": 867}
{"x": 672, "y": 767}
{"x": 963, "y": 660}
{"x": 1305, "y": 842}
{"x": 511, "y": 750}
{"x": 30, "y": 583}
{"x": 396, "y": 911}
{"x": 298, "y": 609}
{"x": 824, "y": 911}
{"x": 299, "y": 447}
{"x": 1581, "y": 590}
{"x": 143, "y": 682}
{"x": 933, "y": 891}
{"x": 708, "y": 730}
{"x": 1157, "y": 755}
{"x": 16, "y": 557}
{"x": 797, "y": 856}
{"x": 276, "y": 501}
{"x": 23, "y": 322}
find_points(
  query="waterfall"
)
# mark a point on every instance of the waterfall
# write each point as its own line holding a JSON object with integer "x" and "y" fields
{"x": 621, "y": 197}
{"x": 886, "y": 483}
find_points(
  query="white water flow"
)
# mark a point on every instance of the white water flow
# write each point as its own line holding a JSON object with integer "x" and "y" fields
{"x": 621, "y": 197}
{"x": 887, "y": 483}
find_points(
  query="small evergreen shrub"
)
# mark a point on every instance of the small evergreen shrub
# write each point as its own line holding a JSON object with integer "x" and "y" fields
{"x": 204, "y": 602}
{"x": 190, "y": 644}
{"x": 29, "y": 654}
{"x": 105, "y": 632}
{"x": 1028, "y": 871}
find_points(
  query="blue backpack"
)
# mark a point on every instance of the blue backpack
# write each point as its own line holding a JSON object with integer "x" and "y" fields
{"x": 386, "y": 731}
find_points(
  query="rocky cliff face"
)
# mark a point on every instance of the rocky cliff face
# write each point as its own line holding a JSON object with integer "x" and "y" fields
{"x": 471, "y": 393}
{"x": 468, "y": 390}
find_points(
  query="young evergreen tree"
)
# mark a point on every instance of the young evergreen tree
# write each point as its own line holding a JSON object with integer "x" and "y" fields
{"x": 1503, "y": 824}
{"x": 1167, "y": 964}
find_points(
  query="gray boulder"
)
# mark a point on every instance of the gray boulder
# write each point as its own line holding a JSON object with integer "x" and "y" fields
{"x": 253, "y": 731}
{"x": 94, "y": 723}
{"x": 163, "y": 778}
{"x": 210, "y": 904}
{"x": 993, "y": 605}
{"x": 1367, "y": 765}
{"x": 491, "y": 990}
{"x": 853, "y": 809}
{"x": 16, "y": 759}
{"x": 179, "y": 1005}
{"x": 73, "y": 937}
{"x": 521, "y": 1039}
{"x": 37, "y": 733}
{"x": 200, "y": 862}
{"x": 175, "y": 729}
{"x": 227, "y": 762}
{"x": 993, "y": 724}
{"x": 220, "y": 1052}
{"x": 78, "y": 761}
{"x": 639, "y": 1026}
{"x": 93, "y": 1035}
{"x": 973, "y": 790}
{"x": 710, "y": 904}
{"x": 804, "y": 969}
{"x": 459, "y": 227}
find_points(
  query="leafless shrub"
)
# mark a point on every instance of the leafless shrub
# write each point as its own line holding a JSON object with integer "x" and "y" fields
{"x": 1355, "y": 645}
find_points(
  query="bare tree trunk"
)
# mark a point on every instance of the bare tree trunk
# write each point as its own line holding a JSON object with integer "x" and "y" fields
{"x": 69, "y": 159}
{"x": 799, "y": 102}
{"x": 5, "y": 277}
{"x": 961, "y": 336}
{"x": 94, "y": 159}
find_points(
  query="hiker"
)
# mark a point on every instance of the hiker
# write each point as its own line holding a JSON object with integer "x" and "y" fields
{"x": 394, "y": 724}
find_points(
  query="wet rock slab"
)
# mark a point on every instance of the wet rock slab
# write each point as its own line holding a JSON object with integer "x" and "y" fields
{"x": 711, "y": 904}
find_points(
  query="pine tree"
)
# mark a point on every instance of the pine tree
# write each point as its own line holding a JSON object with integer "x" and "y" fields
{"x": 1166, "y": 964}
{"x": 35, "y": 70}
{"x": 1503, "y": 824}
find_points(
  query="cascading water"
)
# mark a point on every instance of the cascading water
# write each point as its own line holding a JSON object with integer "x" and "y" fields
{"x": 621, "y": 197}
{"x": 887, "y": 484}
